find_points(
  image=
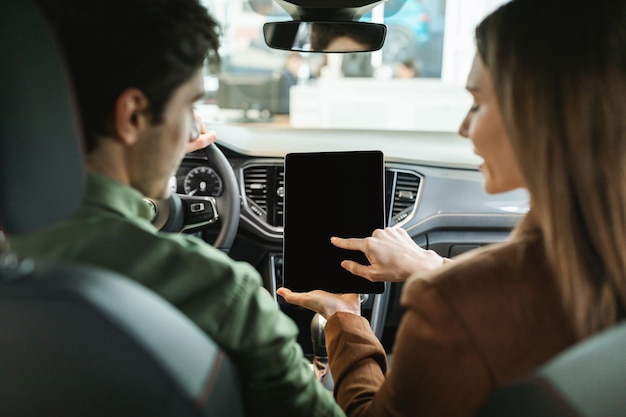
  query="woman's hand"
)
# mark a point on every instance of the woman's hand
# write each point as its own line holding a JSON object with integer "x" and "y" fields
{"x": 203, "y": 139}
{"x": 322, "y": 302}
{"x": 392, "y": 254}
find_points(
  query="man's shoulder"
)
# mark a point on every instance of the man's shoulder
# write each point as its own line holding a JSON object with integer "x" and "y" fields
{"x": 140, "y": 252}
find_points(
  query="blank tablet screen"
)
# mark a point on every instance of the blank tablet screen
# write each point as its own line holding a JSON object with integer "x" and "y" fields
{"x": 330, "y": 194}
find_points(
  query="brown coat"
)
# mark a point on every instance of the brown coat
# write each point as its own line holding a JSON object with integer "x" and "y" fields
{"x": 490, "y": 316}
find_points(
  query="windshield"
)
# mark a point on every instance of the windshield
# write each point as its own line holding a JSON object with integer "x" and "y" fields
{"x": 415, "y": 82}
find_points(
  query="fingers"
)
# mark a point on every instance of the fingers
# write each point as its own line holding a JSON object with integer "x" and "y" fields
{"x": 352, "y": 244}
{"x": 207, "y": 138}
{"x": 303, "y": 299}
{"x": 362, "y": 244}
{"x": 306, "y": 299}
{"x": 286, "y": 294}
{"x": 322, "y": 302}
{"x": 204, "y": 140}
{"x": 392, "y": 255}
{"x": 357, "y": 269}
{"x": 199, "y": 122}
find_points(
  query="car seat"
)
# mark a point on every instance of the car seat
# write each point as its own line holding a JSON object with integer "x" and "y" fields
{"x": 77, "y": 340}
{"x": 586, "y": 380}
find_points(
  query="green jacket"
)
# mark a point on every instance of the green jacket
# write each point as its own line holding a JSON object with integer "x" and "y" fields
{"x": 223, "y": 297}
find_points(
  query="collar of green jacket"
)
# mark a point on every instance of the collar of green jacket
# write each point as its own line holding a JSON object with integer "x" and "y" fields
{"x": 110, "y": 194}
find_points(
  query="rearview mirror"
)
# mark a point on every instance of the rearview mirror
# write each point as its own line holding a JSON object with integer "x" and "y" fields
{"x": 324, "y": 36}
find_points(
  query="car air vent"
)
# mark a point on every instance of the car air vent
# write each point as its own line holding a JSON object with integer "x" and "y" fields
{"x": 405, "y": 188}
{"x": 264, "y": 189}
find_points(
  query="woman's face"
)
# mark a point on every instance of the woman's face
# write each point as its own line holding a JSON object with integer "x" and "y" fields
{"x": 484, "y": 126}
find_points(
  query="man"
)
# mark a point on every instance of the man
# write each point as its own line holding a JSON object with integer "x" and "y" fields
{"x": 137, "y": 68}
{"x": 287, "y": 77}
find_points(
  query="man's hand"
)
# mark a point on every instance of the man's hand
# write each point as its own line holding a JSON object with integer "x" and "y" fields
{"x": 203, "y": 139}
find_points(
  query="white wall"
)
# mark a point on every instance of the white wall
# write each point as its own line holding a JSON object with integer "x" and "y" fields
{"x": 423, "y": 105}
{"x": 462, "y": 16}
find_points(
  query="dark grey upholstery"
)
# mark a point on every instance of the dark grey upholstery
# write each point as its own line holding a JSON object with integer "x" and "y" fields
{"x": 587, "y": 380}
{"x": 40, "y": 164}
{"x": 76, "y": 340}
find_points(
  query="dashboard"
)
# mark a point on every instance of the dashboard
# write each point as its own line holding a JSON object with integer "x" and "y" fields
{"x": 433, "y": 190}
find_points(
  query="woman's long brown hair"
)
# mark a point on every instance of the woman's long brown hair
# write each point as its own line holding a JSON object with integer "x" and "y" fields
{"x": 559, "y": 70}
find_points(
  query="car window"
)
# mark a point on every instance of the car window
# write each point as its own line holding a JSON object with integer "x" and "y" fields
{"x": 414, "y": 83}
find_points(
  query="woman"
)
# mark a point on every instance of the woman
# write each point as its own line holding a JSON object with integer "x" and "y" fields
{"x": 549, "y": 115}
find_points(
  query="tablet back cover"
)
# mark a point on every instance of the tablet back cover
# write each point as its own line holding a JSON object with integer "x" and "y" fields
{"x": 330, "y": 194}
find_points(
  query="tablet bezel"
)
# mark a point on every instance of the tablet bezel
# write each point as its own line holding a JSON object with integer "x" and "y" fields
{"x": 310, "y": 261}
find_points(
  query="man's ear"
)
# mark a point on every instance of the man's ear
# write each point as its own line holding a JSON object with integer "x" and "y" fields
{"x": 130, "y": 115}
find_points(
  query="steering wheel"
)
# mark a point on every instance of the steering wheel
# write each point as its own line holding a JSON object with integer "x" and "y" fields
{"x": 183, "y": 212}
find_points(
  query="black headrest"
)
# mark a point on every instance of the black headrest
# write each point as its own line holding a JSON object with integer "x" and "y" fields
{"x": 41, "y": 168}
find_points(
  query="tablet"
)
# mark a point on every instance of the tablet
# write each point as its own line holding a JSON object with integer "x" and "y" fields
{"x": 330, "y": 194}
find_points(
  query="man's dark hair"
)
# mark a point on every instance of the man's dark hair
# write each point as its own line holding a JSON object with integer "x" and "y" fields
{"x": 322, "y": 34}
{"x": 111, "y": 45}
